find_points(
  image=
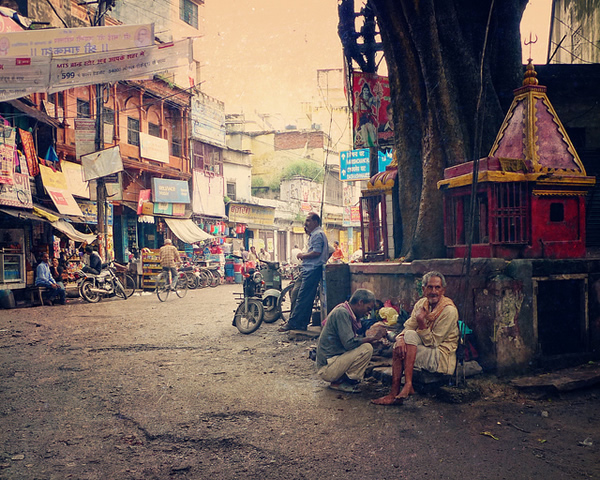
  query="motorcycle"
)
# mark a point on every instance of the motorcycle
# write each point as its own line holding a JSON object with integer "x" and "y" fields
{"x": 259, "y": 299}
{"x": 106, "y": 284}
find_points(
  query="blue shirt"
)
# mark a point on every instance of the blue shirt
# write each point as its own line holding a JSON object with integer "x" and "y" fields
{"x": 317, "y": 242}
{"x": 43, "y": 277}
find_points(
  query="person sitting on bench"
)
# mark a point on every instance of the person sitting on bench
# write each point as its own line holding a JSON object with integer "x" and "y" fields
{"x": 44, "y": 279}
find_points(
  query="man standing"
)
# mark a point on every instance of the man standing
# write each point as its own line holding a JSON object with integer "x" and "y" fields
{"x": 169, "y": 259}
{"x": 428, "y": 342}
{"x": 311, "y": 273}
{"x": 44, "y": 279}
{"x": 342, "y": 356}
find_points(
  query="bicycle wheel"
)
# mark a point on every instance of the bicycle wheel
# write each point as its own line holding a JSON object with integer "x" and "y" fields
{"x": 119, "y": 289}
{"x": 284, "y": 303}
{"x": 162, "y": 287}
{"x": 216, "y": 278}
{"x": 192, "y": 280}
{"x": 181, "y": 287}
{"x": 128, "y": 283}
{"x": 247, "y": 320}
{"x": 204, "y": 279}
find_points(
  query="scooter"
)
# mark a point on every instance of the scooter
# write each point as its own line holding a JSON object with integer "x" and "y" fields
{"x": 106, "y": 284}
{"x": 258, "y": 302}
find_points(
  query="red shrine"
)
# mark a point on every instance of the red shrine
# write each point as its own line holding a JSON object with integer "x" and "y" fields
{"x": 530, "y": 188}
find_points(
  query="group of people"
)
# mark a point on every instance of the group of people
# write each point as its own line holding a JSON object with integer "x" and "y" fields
{"x": 428, "y": 341}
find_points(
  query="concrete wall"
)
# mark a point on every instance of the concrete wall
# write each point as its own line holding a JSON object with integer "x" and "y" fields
{"x": 499, "y": 302}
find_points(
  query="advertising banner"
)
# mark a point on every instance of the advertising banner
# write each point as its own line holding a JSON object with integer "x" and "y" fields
{"x": 53, "y": 179}
{"x": 64, "y": 202}
{"x": 102, "y": 163}
{"x": 25, "y": 71}
{"x": 143, "y": 198}
{"x": 208, "y": 119}
{"x": 170, "y": 191}
{"x": 154, "y": 148}
{"x": 73, "y": 41}
{"x": 355, "y": 165}
{"x": 85, "y": 136}
{"x": 18, "y": 194}
{"x": 81, "y": 70}
{"x": 89, "y": 211}
{"x": 7, "y": 163}
{"x": 371, "y": 111}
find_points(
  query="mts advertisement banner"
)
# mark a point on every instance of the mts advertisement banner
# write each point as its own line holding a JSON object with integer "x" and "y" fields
{"x": 354, "y": 165}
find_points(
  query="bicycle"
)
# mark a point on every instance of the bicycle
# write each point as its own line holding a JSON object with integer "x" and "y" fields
{"x": 164, "y": 285}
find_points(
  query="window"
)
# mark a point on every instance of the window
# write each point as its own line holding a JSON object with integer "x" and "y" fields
{"x": 154, "y": 129}
{"x": 108, "y": 115}
{"x": 133, "y": 131}
{"x": 188, "y": 12}
{"x": 231, "y": 190}
{"x": 208, "y": 158}
{"x": 176, "y": 144}
{"x": 83, "y": 108}
{"x": 510, "y": 214}
{"x": 557, "y": 212}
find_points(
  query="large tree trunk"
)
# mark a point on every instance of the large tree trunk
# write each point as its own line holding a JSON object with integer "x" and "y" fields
{"x": 433, "y": 49}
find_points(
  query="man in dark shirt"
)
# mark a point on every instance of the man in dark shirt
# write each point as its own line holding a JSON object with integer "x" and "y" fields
{"x": 343, "y": 356}
{"x": 95, "y": 265}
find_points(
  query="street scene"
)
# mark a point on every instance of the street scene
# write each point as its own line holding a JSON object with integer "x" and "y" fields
{"x": 292, "y": 240}
{"x": 140, "y": 389}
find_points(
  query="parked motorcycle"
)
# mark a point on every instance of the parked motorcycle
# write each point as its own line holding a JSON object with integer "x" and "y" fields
{"x": 258, "y": 303}
{"x": 92, "y": 288}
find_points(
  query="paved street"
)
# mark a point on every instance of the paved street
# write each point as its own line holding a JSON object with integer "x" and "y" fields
{"x": 139, "y": 389}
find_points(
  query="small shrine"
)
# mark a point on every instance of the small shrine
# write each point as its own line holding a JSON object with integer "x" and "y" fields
{"x": 530, "y": 200}
{"x": 377, "y": 213}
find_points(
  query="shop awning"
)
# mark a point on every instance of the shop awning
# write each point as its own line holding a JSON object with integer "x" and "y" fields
{"x": 187, "y": 231}
{"x": 69, "y": 231}
{"x": 34, "y": 113}
{"x": 23, "y": 214}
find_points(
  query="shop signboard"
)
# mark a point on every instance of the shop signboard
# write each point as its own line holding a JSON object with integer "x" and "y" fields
{"x": 355, "y": 165}
{"x": 102, "y": 163}
{"x": 72, "y": 41}
{"x": 64, "y": 202}
{"x": 161, "y": 208}
{"x": 208, "y": 119}
{"x": 18, "y": 194}
{"x": 170, "y": 191}
{"x": 85, "y": 136}
{"x": 143, "y": 198}
{"x": 89, "y": 211}
{"x": 53, "y": 179}
{"x": 154, "y": 148}
{"x": 73, "y": 174}
{"x": 246, "y": 213}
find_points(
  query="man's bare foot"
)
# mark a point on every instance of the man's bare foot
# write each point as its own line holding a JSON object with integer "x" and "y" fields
{"x": 405, "y": 392}
{"x": 388, "y": 400}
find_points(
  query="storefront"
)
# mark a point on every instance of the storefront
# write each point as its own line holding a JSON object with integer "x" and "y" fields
{"x": 255, "y": 222}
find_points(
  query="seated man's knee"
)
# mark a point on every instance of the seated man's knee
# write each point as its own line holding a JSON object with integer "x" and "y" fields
{"x": 411, "y": 337}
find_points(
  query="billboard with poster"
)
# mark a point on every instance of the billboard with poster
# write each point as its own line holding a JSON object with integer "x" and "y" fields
{"x": 371, "y": 111}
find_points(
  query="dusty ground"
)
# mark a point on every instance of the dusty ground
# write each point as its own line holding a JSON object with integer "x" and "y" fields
{"x": 139, "y": 389}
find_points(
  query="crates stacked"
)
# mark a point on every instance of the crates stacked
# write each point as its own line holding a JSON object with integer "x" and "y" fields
{"x": 237, "y": 270}
{"x": 229, "y": 270}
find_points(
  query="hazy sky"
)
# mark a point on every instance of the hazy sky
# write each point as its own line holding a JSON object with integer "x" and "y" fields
{"x": 263, "y": 54}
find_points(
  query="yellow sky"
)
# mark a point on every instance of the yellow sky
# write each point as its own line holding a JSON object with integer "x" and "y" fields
{"x": 263, "y": 54}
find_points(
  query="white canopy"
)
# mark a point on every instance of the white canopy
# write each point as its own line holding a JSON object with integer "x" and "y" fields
{"x": 187, "y": 231}
{"x": 73, "y": 234}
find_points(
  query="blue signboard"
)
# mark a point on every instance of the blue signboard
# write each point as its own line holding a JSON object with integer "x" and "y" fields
{"x": 170, "y": 191}
{"x": 384, "y": 159}
{"x": 355, "y": 165}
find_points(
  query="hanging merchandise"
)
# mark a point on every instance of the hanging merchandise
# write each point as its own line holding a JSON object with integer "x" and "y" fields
{"x": 29, "y": 149}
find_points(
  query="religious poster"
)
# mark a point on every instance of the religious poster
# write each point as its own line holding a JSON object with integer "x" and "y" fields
{"x": 29, "y": 149}
{"x": 371, "y": 111}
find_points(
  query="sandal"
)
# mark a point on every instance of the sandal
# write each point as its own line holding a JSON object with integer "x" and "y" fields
{"x": 345, "y": 387}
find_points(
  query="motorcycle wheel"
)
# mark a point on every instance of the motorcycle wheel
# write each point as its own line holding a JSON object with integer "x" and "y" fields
{"x": 216, "y": 278}
{"x": 162, "y": 290}
{"x": 248, "y": 320}
{"x": 181, "y": 287}
{"x": 284, "y": 303}
{"x": 85, "y": 290}
{"x": 271, "y": 308}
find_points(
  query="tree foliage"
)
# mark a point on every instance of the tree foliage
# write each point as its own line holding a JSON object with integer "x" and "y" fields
{"x": 448, "y": 104}
{"x": 304, "y": 168}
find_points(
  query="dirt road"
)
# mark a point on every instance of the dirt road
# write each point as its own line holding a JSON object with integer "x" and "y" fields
{"x": 139, "y": 389}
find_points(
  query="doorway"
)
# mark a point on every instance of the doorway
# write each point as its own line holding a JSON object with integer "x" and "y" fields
{"x": 561, "y": 314}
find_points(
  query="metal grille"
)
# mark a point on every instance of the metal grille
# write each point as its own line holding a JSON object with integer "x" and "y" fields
{"x": 510, "y": 213}
{"x": 373, "y": 227}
